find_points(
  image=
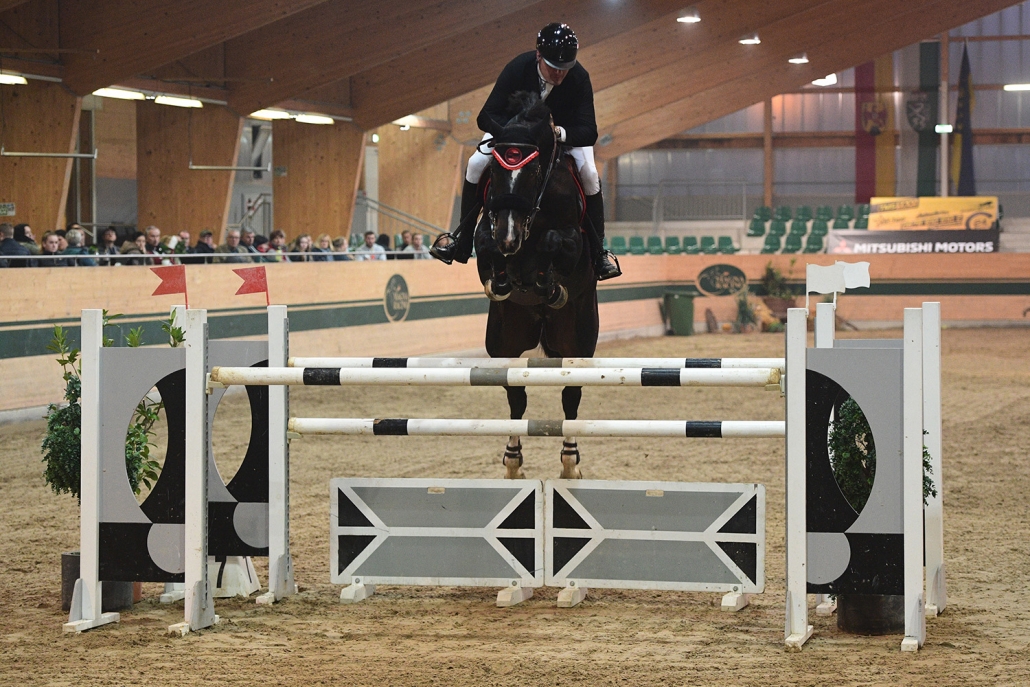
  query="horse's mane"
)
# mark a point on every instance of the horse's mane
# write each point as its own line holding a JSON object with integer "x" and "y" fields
{"x": 525, "y": 111}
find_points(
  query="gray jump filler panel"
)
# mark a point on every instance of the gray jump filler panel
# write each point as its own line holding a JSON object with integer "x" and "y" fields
{"x": 483, "y": 533}
{"x": 655, "y": 535}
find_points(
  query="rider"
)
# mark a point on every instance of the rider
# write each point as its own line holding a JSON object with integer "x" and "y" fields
{"x": 551, "y": 71}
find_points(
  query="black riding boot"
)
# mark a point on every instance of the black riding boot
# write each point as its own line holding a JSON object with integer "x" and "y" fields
{"x": 460, "y": 246}
{"x": 605, "y": 264}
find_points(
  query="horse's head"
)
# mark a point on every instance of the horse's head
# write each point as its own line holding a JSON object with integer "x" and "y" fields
{"x": 518, "y": 172}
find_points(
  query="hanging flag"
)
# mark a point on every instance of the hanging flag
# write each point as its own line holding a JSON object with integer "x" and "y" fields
{"x": 962, "y": 142}
{"x": 173, "y": 280}
{"x": 254, "y": 281}
{"x": 874, "y": 130}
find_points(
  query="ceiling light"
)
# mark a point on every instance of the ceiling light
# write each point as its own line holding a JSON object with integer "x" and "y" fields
{"x": 799, "y": 59}
{"x": 176, "y": 101}
{"x": 119, "y": 94}
{"x": 945, "y": 128}
{"x": 12, "y": 79}
{"x": 1017, "y": 87}
{"x": 828, "y": 80}
{"x": 375, "y": 138}
{"x": 405, "y": 127}
{"x": 689, "y": 16}
{"x": 750, "y": 39}
{"x": 269, "y": 115}
{"x": 315, "y": 119}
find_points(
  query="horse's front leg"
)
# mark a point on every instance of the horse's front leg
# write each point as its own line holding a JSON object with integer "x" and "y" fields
{"x": 570, "y": 398}
{"x": 498, "y": 286}
{"x": 517, "y": 402}
{"x": 545, "y": 284}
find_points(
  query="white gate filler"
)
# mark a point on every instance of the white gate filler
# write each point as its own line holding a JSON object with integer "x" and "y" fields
{"x": 569, "y": 533}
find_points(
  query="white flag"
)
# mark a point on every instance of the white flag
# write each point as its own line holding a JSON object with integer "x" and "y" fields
{"x": 819, "y": 279}
{"x": 856, "y": 274}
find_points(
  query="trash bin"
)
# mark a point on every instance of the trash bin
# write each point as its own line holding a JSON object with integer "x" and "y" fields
{"x": 679, "y": 312}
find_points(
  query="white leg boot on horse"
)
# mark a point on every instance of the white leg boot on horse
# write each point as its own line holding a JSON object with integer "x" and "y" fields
{"x": 570, "y": 398}
{"x": 513, "y": 459}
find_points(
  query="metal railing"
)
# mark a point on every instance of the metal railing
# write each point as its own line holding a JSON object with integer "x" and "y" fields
{"x": 678, "y": 200}
{"x": 262, "y": 204}
{"x": 396, "y": 220}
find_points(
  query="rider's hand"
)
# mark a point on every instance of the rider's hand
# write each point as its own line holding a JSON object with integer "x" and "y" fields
{"x": 559, "y": 133}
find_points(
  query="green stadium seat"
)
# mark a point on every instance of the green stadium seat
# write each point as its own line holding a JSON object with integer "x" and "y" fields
{"x": 841, "y": 223}
{"x": 690, "y": 246}
{"x": 783, "y": 213}
{"x": 726, "y": 246}
{"x": 846, "y": 212}
{"x": 792, "y": 244}
{"x": 772, "y": 244}
{"x": 804, "y": 213}
{"x": 763, "y": 212}
{"x": 861, "y": 223}
{"x": 756, "y": 228}
{"x": 863, "y": 210}
{"x": 654, "y": 245}
{"x": 398, "y": 241}
{"x": 636, "y": 245}
{"x": 824, "y": 212}
{"x": 777, "y": 227}
{"x": 672, "y": 245}
{"x": 604, "y": 243}
{"x": 798, "y": 228}
{"x": 814, "y": 243}
{"x": 819, "y": 227}
{"x": 619, "y": 245}
{"x": 708, "y": 245}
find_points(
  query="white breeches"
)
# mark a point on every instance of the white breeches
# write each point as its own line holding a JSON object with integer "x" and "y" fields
{"x": 584, "y": 158}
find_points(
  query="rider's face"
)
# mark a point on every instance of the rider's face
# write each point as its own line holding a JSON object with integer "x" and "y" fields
{"x": 551, "y": 75}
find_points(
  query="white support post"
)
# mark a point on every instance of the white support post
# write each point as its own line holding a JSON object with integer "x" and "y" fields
{"x": 87, "y": 599}
{"x": 825, "y": 326}
{"x": 936, "y": 587}
{"x": 280, "y": 563}
{"x": 912, "y": 480}
{"x": 796, "y": 627}
{"x": 199, "y": 604}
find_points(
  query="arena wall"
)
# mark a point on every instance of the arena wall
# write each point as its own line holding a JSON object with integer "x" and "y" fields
{"x": 341, "y": 308}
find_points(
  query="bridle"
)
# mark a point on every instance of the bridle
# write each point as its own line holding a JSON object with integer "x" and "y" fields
{"x": 515, "y": 157}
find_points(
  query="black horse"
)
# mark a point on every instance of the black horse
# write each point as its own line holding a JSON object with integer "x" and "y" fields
{"x": 534, "y": 260}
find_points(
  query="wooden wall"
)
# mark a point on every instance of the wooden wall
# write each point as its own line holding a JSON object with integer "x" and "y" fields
{"x": 115, "y": 122}
{"x": 38, "y": 117}
{"x": 420, "y": 169}
{"x": 169, "y": 194}
{"x": 316, "y": 176}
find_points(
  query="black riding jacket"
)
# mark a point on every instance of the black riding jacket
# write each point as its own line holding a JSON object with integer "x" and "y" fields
{"x": 571, "y": 103}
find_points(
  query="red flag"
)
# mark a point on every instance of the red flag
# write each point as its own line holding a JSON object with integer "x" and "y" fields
{"x": 173, "y": 280}
{"x": 254, "y": 281}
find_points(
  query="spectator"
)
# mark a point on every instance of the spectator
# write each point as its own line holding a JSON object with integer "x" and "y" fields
{"x": 370, "y": 249}
{"x": 323, "y": 245}
{"x": 205, "y": 246}
{"x": 62, "y": 242}
{"x": 340, "y": 249}
{"x": 51, "y": 246}
{"x": 108, "y": 245}
{"x": 154, "y": 245}
{"x": 75, "y": 239}
{"x": 403, "y": 248}
{"x": 417, "y": 249}
{"x": 384, "y": 241}
{"x": 135, "y": 246}
{"x": 301, "y": 245}
{"x": 8, "y": 246}
{"x": 23, "y": 235}
{"x": 185, "y": 238}
{"x": 231, "y": 251}
{"x": 247, "y": 237}
{"x": 276, "y": 247}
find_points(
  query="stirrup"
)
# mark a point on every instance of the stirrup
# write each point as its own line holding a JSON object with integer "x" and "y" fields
{"x": 604, "y": 268}
{"x": 444, "y": 252}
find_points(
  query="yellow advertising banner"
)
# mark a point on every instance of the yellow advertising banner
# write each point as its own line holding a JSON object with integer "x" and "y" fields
{"x": 959, "y": 212}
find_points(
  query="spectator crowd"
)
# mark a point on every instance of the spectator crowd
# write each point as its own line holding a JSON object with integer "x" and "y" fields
{"x": 127, "y": 246}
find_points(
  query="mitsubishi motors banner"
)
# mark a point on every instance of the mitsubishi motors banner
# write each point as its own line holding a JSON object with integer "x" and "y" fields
{"x": 860, "y": 241}
{"x": 929, "y": 212}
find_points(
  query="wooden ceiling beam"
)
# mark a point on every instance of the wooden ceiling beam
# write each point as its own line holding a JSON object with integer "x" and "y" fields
{"x": 413, "y": 82}
{"x": 344, "y": 37}
{"x": 864, "y": 38}
{"x": 136, "y": 36}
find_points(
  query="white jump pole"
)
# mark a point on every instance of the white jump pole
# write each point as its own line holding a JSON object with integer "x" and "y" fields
{"x": 724, "y": 363}
{"x": 936, "y": 587}
{"x": 87, "y": 598}
{"x": 343, "y": 376}
{"x": 796, "y": 628}
{"x": 825, "y": 331}
{"x": 280, "y": 561}
{"x": 547, "y": 428}
{"x": 912, "y": 480}
{"x": 199, "y": 604}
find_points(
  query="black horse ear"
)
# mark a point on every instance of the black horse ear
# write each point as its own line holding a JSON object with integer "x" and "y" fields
{"x": 540, "y": 128}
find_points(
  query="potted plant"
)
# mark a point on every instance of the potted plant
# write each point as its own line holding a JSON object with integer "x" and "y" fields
{"x": 62, "y": 451}
{"x": 853, "y": 459}
{"x": 778, "y": 295}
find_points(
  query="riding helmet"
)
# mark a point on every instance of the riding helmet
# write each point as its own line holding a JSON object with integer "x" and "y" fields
{"x": 557, "y": 44}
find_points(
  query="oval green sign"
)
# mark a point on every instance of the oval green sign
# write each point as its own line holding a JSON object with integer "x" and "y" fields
{"x": 721, "y": 280}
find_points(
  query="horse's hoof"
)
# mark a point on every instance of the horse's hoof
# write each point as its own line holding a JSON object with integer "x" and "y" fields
{"x": 558, "y": 298}
{"x": 499, "y": 294}
{"x": 570, "y": 462}
{"x": 512, "y": 461}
